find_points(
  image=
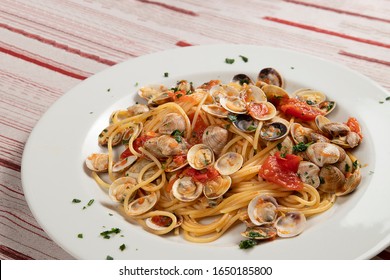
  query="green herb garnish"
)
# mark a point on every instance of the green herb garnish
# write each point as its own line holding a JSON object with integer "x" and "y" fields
{"x": 355, "y": 164}
{"x": 279, "y": 146}
{"x": 251, "y": 128}
{"x": 109, "y": 258}
{"x": 107, "y": 234}
{"x": 80, "y": 235}
{"x": 76, "y": 200}
{"x": 122, "y": 247}
{"x": 309, "y": 102}
{"x": 301, "y": 147}
{"x": 166, "y": 74}
{"x": 347, "y": 167}
{"x": 232, "y": 118}
{"x": 387, "y": 98}
{"x": 253, "y": 234}
{"x": 179, "y": 95}
{"x": 229, "y": 60}
{"x": 245, "y": 59}
{"x": 177, "y": 134}
{"x": 246, "y": 244}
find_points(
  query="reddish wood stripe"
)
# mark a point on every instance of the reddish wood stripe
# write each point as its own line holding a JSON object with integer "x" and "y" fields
{"x": 182, "y": 44}
{"x": 12, "y": 254}
{"x": 337, "y": 10}
{"x": 366, "y": 58}
{"x": 20, "y": 219}
{"x": 25, "y": 228}
{"x": 384, "y": 255}
{"x": 328, "y": 32}
{"x": 42, "y": 64}
{"x": 10, "y": 165}
{"x": 58, "y": 45}
{"x": 169, "y": 7}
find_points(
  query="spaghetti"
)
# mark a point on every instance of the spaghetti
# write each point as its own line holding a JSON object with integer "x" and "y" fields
{"x": 170, "y": 175}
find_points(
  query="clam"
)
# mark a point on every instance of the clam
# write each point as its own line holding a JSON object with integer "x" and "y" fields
{"x": 137, "y": 167}
{"x": 215, "y": 137}
{"x": 300, "y": 134}
{"x": 229, "y": 163}
{"x": 345, "y": 165}
{"x": 177, "y": 163}
{"x": 350, "y": 184}
{"x": 97, "y": 162}
{"x": 273, "y": 131}
{"x": 123, "y": 163}
{"x": 185, "y": 86}
{"x": 151, "y": 91}
{"x": 133, "y": 130}
{"x": 285, "y": 147}
{"x": 332, "y": 179}
{"x": 275, "y": 94}
{"x": 185, "y": 189}
{"x": 137, "y": 109}
{"x": 142, "y": 204}
{"x": 310, "y": 96}
{"x": 162, "y": 98}
{"x": 251, "y": 93}
{"x": 270, "y": 76}
{"x": 261, "y": 110}
{"x": 215, "y": 110}
{"x": 308, "y": 172}
{"x": 334, "y": 129}
{"x": 245, "y": 123}
{"x": 165, "y": 146}
{"x": 290, "y": 224}
{"x": 351, "y": 140}
{"x": 172, "y": 122}
{"x": 117, "y": 188}
{"x": 323, "y": 153}
{"x": 327, "y": 106}
{"x": 233, "y": 104}
{"x": 106, "y": 134}
{"x": 260, "y": 232}
{"x": 219, "y": 91}
{"x": 200, "y": 156}
{"x": 217, "y": 187}
{"x": 242, "y": 79}
{"x": 160, "y": 222}
{"x": 262, "y": 210}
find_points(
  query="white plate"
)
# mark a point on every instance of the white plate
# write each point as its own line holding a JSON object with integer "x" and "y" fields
{"x": 356, "y": 227}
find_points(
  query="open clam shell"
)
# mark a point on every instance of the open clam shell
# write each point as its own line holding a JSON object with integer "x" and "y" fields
{"x": 124, "y": 163}
{"x": 229, "y": 163}
{"x": 260, "y": 232}
{"x": 117, "y": 188}
{"x": 185, "y": 189}
{"x": 97, "y": 162}
{"x": 242, "y": 79}
{"x": 216, "y": 188}
{"x": 290, "y": 224}
{"x": 245, "y": 123}
{"x": 261, "y": 110}
{"x": 310, "y": 96}
{"x": 151, "y": 91}
{"x": 271, "y": 76}
{"x": 233, "y": 104}
{"x": 142, "y": 204}
{"x": 263, "y": 210}
{"x": 215, "y": 110}
{"x": 200, "y": 156}
{"x": 273, "y": 131}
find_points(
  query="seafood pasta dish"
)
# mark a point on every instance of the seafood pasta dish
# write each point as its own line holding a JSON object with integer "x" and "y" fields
{"x": 197, "y": 160}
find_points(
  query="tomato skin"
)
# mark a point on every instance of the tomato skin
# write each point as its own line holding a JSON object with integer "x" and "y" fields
{"x": 140, "y": 141}
{"x": 300, "y": 109}
{"x": 282, "y": 171}
{"x": 203, "y": 175}
{"x": 162, "y": 221}
{"x": 354, "y": 125}
{"x": 197, "y": 132}
{"x": 126, "y": 153}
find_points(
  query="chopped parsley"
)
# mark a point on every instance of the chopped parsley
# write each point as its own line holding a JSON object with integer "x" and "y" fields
{"x": 251, "y": 128}
{"x": 253, "y": 234}
{"x": 166, "y": 74}
{"x": 122, "y": 247}
{"x": 136, "y": 84}
{"x": 301, "y": 147}
{"x": 246, "y": 244}
{"x": 109, "y": 258}
{"x": 387, "y": 98}
{"x": 179, "y": 95}
{"x": 108, "y": 233}
{"x": 355, "y": 164}
{"x": 108, "y": 90}
{"x": 229, "y": 60}
{"x": 244, "y": 58}
{"x": 279, "y": 146}
{"x": 90, "y": 202}
{"x": 177, "y": 134}
{"x": 232, "y": 118}
{"x": 76, "y": 200}
{"x": 309, "y": 102}
{"x": 347, "y": 167}
{"x": 80, "y": 235}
